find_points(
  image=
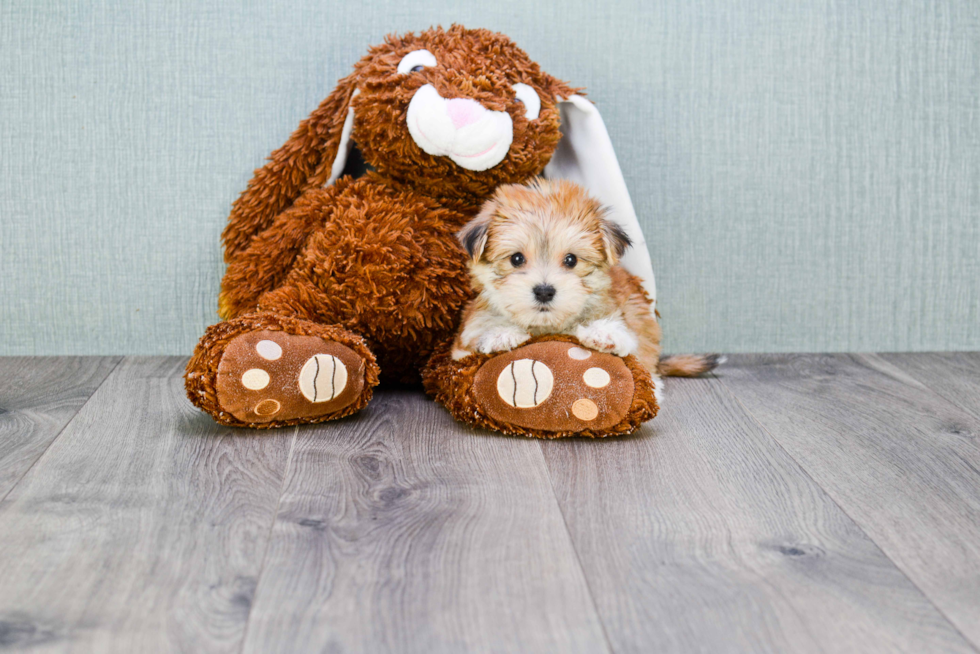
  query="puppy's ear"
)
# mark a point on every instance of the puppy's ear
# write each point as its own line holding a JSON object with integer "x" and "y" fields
{"x": 615, "y": 240}
{"x": 474, "y": 234}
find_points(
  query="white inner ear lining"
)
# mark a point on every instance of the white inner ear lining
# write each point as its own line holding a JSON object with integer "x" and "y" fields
{"x": 343, "y": 148}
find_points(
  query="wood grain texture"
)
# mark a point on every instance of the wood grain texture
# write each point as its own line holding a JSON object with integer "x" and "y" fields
{"x": 38, "y": 396}
{"x": 402, "y": 531}
{"x": 701, "y": 534}
{"x": 899, "y": 459}
{"x": 954, "y": 375}
{"x": 142, "y": 528}
{"x": 801, "y": 503}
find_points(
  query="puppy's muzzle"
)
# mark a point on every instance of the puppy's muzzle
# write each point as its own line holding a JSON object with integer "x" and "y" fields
{"x": 544, "y": 293}
{"x": 474, "y": 137}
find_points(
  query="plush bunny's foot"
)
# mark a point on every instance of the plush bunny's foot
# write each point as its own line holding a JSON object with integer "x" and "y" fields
{"x": 265, "y": 376}
{"x": 268, "y": 371}
{"x": 550, "y": 388}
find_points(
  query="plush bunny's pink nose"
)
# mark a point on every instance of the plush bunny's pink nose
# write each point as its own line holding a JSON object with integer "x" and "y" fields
{"x": 464, "y": 111}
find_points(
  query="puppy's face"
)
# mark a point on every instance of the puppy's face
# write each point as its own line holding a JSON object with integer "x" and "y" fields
{"x": 541, "y": 254}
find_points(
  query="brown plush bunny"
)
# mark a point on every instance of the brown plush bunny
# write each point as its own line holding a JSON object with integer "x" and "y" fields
{"x": 335, "y": 282}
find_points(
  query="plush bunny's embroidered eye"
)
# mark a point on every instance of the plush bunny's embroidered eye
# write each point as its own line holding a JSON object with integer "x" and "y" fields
{"x": 415, "y": 61}
{"x": 529, "y": 98}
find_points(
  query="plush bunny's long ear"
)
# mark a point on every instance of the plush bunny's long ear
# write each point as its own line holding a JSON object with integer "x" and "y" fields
{"x": 313, "y": 156}
{"x": 585, "y": 156}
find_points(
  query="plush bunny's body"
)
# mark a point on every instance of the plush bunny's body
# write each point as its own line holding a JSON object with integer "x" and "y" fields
{"x": 378, "y": 260}
{"x": 336, "y": 282}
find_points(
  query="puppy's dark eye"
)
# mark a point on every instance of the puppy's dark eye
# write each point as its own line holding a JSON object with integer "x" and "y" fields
{"x": 417, "y": 69}
{"x": 517, "y": 259}
{"x": 518, "y": 100}
{"x": 570, "y": 260}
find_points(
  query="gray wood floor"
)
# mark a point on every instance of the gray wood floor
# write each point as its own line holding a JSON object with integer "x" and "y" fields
{"x": 810, "y": 503}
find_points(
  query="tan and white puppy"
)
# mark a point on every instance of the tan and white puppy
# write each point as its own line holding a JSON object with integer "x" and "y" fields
{"x": 544, "y": 260}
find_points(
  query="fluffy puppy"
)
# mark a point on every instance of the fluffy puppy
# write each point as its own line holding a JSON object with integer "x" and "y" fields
{"x": 544, "y": 260}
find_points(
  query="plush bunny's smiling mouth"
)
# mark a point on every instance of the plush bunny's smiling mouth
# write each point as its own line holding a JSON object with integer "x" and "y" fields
{"x": 474, "y": 137}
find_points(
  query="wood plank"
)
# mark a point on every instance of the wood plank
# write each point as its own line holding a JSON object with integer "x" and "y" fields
{"x": 38, "y": 396}
{"x": 700, "y": 534}
{"x": 899, "y": 459}
{"x": 405, "y": 531}
{"x": 142, "y": 528}
{"x": 954, "y": 375}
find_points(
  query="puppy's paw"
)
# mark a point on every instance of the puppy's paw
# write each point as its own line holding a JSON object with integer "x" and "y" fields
{"x": 500, "y": 339}
{"x": 607, "y": 335}
{"x": 459, "y": 353}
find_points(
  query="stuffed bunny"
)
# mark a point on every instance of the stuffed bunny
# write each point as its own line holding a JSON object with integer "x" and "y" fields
{"x": 335, "y": 282}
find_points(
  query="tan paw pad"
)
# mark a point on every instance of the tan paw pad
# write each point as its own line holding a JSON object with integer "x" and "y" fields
{"x": 255, "y": 379}
{"x": 585, "y": 409}
{"x": 596, "y": 378}
{"x": 322, "y": 378}
{"x": 269, "y": 350}
{"x": 268, "y": 407}
{"x": 525, "y": 384}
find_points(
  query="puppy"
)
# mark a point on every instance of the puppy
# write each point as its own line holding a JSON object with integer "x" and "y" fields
{"x": 544, "y": 260}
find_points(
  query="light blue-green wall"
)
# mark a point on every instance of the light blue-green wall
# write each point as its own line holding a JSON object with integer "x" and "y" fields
{"x": 807, "y": 171}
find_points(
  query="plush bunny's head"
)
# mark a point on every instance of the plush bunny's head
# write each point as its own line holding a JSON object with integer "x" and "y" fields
{"x": 453, "y": 113}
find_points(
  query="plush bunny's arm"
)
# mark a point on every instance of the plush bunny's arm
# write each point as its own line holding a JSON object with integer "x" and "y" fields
{"x": 264, "y": 264}
{"x": 309, "y": 159}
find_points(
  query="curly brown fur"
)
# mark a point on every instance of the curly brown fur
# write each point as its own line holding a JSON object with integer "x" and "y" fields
{"x": 377, "y": 255}
{"x": 402, "y": 291}
{"x": 450, "y": 382}
{"x": 200, "y": 378}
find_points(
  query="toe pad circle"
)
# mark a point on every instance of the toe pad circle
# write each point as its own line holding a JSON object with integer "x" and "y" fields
{"x": 322, "y": 378}
{"x": 525, "y": 384}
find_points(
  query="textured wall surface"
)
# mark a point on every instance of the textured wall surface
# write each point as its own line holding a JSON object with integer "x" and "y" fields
{"x": 807, "y": 172}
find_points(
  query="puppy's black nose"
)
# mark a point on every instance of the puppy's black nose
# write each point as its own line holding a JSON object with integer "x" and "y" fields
{"x": 544, "y": 293}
